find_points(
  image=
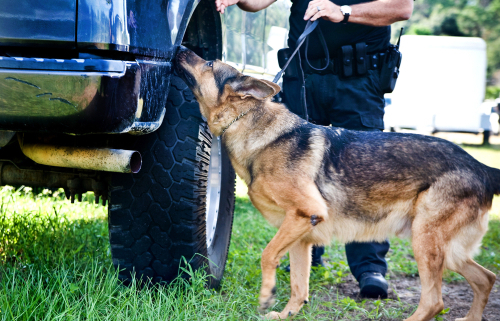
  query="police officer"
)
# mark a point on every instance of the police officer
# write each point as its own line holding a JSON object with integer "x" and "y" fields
{"x": 340, "y": 95}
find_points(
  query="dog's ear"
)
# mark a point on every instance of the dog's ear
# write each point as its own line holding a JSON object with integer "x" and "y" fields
{"x": 260, "y": 89}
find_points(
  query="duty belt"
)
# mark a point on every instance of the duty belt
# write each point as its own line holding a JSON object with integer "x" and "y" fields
{"x": 346, "y": 66}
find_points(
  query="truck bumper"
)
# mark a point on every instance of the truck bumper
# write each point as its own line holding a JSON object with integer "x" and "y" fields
{"x": 82, "y": 96}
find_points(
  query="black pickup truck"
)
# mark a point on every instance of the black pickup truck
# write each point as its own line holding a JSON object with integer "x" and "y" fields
{"x": 89, "y": 102}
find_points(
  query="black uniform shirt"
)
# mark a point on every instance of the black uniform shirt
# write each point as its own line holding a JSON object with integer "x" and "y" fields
{"x": 336, "y": 34}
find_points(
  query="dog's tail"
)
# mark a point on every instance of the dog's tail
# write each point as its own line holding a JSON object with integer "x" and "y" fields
{"x": 495, "y": 180}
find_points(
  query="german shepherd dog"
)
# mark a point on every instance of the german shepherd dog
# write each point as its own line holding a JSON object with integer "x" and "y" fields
{"x": 315, "y": 183}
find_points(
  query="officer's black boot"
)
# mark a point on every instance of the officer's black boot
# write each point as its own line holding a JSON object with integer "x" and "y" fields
{"x": 373, "y": 285}
{"x": 367, "y": 263}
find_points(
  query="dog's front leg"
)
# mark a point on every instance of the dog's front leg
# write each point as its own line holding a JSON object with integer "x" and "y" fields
{"x": 296, "y": 224}
{"x": 300, "y": 268}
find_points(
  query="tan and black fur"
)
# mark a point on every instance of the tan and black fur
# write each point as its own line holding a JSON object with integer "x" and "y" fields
{"x": 316, "y": 183}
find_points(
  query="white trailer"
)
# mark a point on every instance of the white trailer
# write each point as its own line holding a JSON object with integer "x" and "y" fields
{"x": 441, "y": 85}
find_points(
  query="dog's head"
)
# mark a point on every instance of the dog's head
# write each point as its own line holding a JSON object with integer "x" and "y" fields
{"x": 221, "y": 90}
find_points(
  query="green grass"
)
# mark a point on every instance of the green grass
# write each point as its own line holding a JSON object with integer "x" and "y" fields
{"x": 56, "y": 265}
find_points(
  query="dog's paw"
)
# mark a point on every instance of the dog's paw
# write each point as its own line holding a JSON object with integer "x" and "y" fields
{"x": 273, "y": 316}
{"x": 267, "y": 301}
{"x": 278, "y": 316}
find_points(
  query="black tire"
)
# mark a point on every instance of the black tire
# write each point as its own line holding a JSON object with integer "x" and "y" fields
{"x": 158, "y": 215}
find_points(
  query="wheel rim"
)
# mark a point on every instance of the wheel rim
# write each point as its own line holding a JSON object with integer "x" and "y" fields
{"x": 214, "y": 181}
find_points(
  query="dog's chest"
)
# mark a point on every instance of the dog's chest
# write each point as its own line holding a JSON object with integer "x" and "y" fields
{"x": 273, "y": 214}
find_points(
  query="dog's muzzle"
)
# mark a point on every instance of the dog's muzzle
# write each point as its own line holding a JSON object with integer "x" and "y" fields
{"x": 180, "y": 59}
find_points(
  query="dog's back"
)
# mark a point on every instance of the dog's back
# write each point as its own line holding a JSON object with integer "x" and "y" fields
{"x": 406, "y": 162}
{"x": 494, "y": 175}
{"x": 369, "y": 176}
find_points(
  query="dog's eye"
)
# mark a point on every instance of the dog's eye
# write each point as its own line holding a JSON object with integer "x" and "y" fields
{"x": 210, "y": 64}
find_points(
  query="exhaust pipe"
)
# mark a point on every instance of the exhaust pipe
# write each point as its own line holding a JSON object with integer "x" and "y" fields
{"x": 99, "y": 159}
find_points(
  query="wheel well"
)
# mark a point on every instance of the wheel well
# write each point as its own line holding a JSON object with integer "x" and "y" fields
{"x": 204, "y": 33}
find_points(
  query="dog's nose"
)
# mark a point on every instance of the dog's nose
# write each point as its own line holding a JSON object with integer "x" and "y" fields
{"x": 180, "y": 57}
{"x": 181, "y": 49}
{"x": 182, "y": 52}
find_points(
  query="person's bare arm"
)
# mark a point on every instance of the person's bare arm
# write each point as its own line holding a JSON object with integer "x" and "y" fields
{"x": 247, "y": 5}
{"x": 375, "y": 13}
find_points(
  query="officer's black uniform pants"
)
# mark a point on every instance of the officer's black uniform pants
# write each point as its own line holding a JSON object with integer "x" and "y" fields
{"x": 355, "y": 103}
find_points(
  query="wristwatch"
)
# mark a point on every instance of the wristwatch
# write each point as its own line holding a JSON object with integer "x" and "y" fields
{"x": 346, "y": 11}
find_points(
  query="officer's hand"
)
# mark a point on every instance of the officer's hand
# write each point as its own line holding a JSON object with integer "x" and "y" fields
{"x": 223, "y": 4}
{"x": 327, "y": 10}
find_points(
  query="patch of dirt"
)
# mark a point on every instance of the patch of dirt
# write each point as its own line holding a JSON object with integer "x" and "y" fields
{"x": 457, "y": 296}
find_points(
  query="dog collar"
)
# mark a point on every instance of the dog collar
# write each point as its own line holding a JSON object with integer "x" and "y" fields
{"x": 234, "y": 120}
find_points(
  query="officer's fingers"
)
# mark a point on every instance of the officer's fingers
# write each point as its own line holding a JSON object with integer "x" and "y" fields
{"x": 223, "y": 5}
{"x": 318, "y": 15}
{"x": 218, "y": 5}
{"x": 313, "y": 6}
{"x": 311, "y": 11}
{"x": 326, "y": 11}
{"x": 307, "y": 15}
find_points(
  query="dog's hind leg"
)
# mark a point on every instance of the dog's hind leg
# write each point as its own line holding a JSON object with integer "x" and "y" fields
{"x": 300, "y": 268}
{"x": 464, "y": 244}
{"x": 429, "y": 253}
{"x": 481, "y": 280}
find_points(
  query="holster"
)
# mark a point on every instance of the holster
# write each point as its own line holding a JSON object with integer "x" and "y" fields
{"x": 292, "y": 71}
{"x": 389, "y": 72}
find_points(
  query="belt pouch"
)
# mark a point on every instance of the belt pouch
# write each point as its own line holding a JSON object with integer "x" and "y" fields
{"x": 292, "y": 70}
{"x": 347, "y": 56}
{"x": 361, "y": 63}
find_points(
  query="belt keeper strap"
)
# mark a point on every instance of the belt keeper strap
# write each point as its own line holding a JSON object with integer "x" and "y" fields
{"x": 361, "y": 64}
